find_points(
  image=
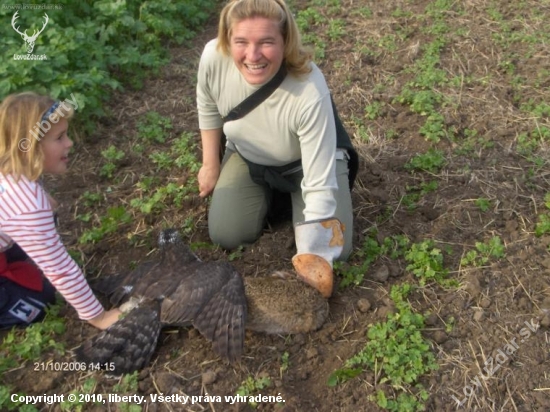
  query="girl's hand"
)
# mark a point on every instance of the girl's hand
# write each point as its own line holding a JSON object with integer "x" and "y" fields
{"x": 208, "y": 176}
{"x": 105, "y": 318}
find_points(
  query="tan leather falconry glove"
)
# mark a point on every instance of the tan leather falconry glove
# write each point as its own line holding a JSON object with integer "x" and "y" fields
{"x": 318, "y": 243}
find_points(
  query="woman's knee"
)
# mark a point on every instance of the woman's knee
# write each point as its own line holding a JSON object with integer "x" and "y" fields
{"x": 234, "y": 227}
{"x": 229, "y": 237}
{"x": 237, "y": 215}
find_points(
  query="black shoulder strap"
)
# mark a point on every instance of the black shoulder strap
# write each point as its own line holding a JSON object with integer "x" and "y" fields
{"x": 252, "y": 101}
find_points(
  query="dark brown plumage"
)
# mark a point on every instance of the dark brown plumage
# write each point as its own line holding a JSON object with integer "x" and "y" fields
{"x": 123, "y": 348}
{"x": 212, "y": 297}
{"x": 208, "y": 295}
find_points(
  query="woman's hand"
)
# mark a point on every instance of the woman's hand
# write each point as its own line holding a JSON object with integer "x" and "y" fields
{"x": 208, "y": 176}
{"x": 105, "y": 318}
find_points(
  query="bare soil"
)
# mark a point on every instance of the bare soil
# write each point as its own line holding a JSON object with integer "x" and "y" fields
{"x": 492, "y": 303}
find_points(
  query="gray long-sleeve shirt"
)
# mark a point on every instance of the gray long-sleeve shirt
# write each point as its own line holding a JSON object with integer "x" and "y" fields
{"x": 295, "y": 122}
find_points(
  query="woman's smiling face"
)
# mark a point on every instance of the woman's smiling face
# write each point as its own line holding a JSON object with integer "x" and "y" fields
{"x": 257, "y": 48}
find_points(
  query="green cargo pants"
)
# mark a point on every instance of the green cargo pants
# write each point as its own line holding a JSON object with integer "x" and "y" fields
{"x": 239, "y": 206}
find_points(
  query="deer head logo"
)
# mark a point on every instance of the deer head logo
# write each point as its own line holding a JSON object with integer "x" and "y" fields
{"x": 30, "y": 40}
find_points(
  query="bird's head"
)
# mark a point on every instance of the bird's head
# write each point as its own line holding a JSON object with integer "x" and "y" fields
{"x": 168, "y": 237}
{"x": 172, "y": 247}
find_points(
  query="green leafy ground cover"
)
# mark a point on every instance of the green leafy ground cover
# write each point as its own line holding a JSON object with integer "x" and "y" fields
{"x": 95, "y": 47}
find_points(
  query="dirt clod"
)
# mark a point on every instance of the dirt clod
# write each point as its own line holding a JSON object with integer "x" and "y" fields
{"x": 381, "y": 274}
{"x": 209, "y": 377}
{"x": 363, "y": 305}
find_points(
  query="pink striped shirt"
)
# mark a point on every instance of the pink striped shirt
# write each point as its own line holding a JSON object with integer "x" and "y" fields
{"x": 26, "y": 218}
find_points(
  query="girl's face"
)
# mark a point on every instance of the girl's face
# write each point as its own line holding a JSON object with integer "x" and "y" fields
{"x": 56, "y": 146}
{"x": 257, "y": 47}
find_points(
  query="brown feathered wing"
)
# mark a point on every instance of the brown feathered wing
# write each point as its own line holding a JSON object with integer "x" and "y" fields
{"x": 212, "y": 299}
{"x": 208, "y": 295}
{"x": 127, "y": 345}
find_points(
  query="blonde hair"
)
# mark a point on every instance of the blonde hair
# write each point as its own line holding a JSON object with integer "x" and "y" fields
{"x": 297, "y": 57}
{"x": 20, "y": 151}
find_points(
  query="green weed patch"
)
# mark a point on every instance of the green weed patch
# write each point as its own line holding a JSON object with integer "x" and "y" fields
{"x": 93, "y": 48}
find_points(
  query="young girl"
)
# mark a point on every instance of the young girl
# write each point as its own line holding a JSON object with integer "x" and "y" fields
{"x": 34, "y": 140}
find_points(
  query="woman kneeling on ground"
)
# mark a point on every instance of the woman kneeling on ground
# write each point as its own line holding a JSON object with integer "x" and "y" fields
{"x": 288, "y": 143}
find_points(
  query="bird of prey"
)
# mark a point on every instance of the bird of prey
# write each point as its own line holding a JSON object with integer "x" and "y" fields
{"x": 211, "y": 296}
{"x": 208, "y": 295}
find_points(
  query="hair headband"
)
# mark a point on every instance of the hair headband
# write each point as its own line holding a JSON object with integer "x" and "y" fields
{"x": 50, "y": 111}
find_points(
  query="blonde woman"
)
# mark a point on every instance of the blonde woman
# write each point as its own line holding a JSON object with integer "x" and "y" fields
{"x": 288, "y": 143}
{"x": 33, "y": 141}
